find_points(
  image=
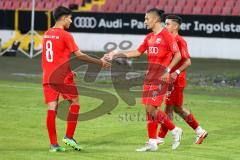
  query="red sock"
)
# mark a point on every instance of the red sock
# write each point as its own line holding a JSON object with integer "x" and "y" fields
{"x": 51, "y": 126}
{"x": 163, "y": 131}
{"x": 165, "y": 120}
{"x": 152, "y": 126}
{"x": 191, "y": 121}
{"x": 72, "y": 120}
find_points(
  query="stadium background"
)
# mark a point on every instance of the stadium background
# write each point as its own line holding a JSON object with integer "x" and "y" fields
{"x": 212, "y": 30}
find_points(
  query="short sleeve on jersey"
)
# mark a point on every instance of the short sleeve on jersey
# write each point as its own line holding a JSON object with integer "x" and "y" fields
{"x": 143, "y": 47}
{"x": 70, "y": 43}
{"x": 172, "y": 43}
{"x": 184, "y": 50}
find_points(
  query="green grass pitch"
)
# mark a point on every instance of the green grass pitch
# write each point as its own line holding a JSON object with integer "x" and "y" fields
{"x": 115, "y": 136}
{"x": 23, "y": 134}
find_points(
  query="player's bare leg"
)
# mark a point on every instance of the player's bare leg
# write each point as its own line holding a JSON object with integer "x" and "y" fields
{"x": 72, "y": 123}
{"x": 152, "y": 124}
{"x": 161, "y": 117}
{"x": 201, "y": 134}
{"x": 51, "y": 126}
{"x": 163, "y": 130}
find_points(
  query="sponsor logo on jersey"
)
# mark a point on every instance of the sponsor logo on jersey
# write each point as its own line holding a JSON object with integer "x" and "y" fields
{"x": 158, "y": 40}
{"x": 153, "y": 50}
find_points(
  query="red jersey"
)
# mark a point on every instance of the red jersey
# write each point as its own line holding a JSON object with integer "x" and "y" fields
{"x": 160, "y": 51}
{"x": 182, "y": 44}
{"x": 58, "y": 45}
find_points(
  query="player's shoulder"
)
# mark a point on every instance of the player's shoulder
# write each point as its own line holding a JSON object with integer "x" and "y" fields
{"x": 62, "y": 31}
{"x": 181, "y": 39}
{"x": 47, "y": 32}
{"x": 57, "y": 31}
{"x": 166, "y": 33}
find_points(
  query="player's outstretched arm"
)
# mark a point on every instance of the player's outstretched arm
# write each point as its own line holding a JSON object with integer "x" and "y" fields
{"x": 89, "y": 59}
{"x": 129, "y": 54}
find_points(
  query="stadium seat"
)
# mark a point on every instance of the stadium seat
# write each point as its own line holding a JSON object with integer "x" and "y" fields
{"x": 187, "y": 10}
{"x": 210, "y": 3}
{"x": 227, "y": 11}
{"x": 149, "y": 7}
{"x": 1, "y": 4}
{"x": 171, "y": 2}
{"x": 40, "y": 5}
{"x": 168, "y": 9}
{"x": 127, "y": 2}
{"x": 140, "y": 9}
{"x": 177, "y": 9}
{"x": 130, "y": 8}
{"x": 236, "y": 11}
{"x": 144, "y": 2}
{"x": 190, "y": 4}
{"x": 207, "y": 10}
{"x": 49, "y": 5}
{"x": 104, "y": 8}
{"x": 197, "y": 10}
{"x": 136, "y": 2}
{"x": 153, "y": 3}
{"x": 216, "y": 10}
{"x": 24, "y": 5}
{"x": 162, "y": 2}
{"x": 230, "y": 3}
{"x": 201, "y": 3}
{"x": 8, "y": 5}
{"x": 220, "y": 3}
{"x": 203, "y": 7}
{"x": 162, "y": 7}
{"x": 15, "y": 4}
{"x": 113, "y": 7}
{"x": 180, "y": 3}
{"x": 121, "y": 8}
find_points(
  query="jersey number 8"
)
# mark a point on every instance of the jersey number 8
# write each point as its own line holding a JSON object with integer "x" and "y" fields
{"x": 49, "y": 51}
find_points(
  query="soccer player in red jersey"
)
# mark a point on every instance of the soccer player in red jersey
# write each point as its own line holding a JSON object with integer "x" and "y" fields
{"x": 58, "y": 46}
{"x": 174, "y": 102}
{"x": 162, "y": 52}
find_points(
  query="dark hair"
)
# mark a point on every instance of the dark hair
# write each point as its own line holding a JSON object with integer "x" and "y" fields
{"x": 61, "y": 11}
{"x": 158, "y": 12}
{"x": 175, "y": 18}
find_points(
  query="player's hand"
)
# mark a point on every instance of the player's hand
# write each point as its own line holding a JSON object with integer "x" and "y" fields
{"x": 109, "y": 56}
{"x": 165, "y": 77}
{"x": 105, "y": 64}
{"x": 173, "y": 77}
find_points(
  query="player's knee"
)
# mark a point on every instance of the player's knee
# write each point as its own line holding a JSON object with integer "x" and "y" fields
{"x": 181, "y": 112}
{"x": 75, "y": 101}
{"x": 150, "y": 109}
{"x": 178, "y": 110}
{"x": 185, "y": 112}
{"x": 169, "y": 109}
{"x": 52, "y": 105}
{"x": 170, "y": 115}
